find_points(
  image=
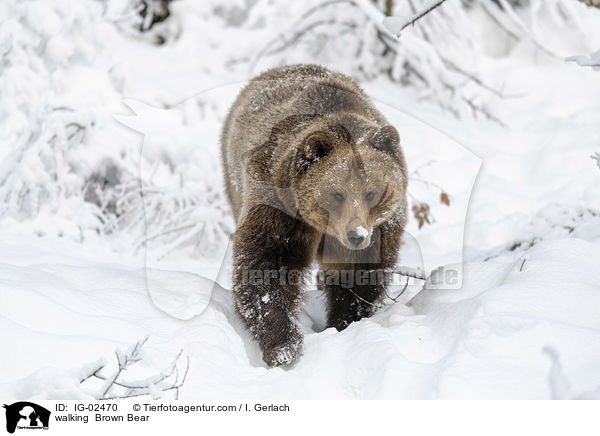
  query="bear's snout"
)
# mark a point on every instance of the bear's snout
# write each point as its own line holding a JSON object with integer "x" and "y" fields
{"x": 358, "y": 237}
{"x": 355, "y": 237}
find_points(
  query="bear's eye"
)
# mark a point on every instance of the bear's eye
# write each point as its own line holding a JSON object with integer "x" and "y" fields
{"x": 338, "y": 196}
{"x": 369, "y": 196}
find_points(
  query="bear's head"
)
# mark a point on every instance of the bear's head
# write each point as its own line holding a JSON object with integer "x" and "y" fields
{"x": 349, "y": 187}
{"x": 342, "y": 175}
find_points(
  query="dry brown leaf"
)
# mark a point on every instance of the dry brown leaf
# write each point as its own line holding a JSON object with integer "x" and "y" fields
{"x": 444, "y": 198}
{"x": 421, "y": 213}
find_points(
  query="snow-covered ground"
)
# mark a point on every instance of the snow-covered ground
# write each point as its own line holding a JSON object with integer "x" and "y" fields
{"x": 524, "y": 324}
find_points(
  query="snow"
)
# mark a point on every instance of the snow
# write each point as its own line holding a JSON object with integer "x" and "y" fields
{"x": 484, "y": 341}
{"x": 361, "y": 231}
{"x": 523, "y": 226}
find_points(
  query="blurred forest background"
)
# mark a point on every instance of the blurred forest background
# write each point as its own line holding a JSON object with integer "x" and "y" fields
{"x": 67, "y": 169}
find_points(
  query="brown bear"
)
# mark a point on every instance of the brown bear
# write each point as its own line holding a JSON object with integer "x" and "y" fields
{"x": 313, "y": 172}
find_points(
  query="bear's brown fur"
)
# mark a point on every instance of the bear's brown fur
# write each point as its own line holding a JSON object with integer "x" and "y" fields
{"x": 313, "y": 172}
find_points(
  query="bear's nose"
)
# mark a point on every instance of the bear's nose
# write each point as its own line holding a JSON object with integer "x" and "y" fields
{"x": 355, "y": 236}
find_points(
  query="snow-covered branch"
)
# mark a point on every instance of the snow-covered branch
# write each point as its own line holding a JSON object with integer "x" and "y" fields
{"x": 398, "y": 24}
{"x": 594, "y": 3}
{"x": 592, "y": 60}
{"x": 115, "y": 386}
{"x": 431, "y": 58}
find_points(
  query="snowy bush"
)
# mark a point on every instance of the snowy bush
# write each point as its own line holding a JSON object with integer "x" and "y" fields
{"x": 43, "y": 131}
{"x": 60, "y": 153}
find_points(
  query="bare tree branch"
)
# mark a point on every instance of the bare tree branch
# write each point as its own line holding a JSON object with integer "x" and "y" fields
{"x": 398, "y": 24}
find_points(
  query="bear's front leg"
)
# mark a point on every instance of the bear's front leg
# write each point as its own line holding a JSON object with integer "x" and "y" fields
{"x": 353, "y": 292}
{"x": 355, "y": 280}
{"x": 272, "y": 251}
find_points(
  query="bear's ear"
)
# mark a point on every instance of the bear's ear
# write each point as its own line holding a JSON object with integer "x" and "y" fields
{"x": 313, "y": 148}
{"x": 387, "y": 140}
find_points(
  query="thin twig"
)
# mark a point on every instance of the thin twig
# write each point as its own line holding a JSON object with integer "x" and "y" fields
{"x": 402, "y": 272}
{"x": 163, "y": 233}
{"x": 93, "y": 374}
{"x": 395, "y": 299}
{"x": 114, "y": 378}
{"x": 377, "y": 306}
{"x": 128, "y": 359}
{"x": 480, "y": 109}
{"x": 421, "y": 14}
{"x": 472, "y": 77}
{"x": 427, "y": 183}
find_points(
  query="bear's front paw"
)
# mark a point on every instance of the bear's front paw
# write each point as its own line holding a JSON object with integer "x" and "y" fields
{"x": 283, "y": 354}
{"x": 339, "y": 324}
